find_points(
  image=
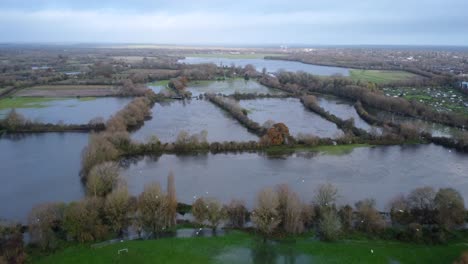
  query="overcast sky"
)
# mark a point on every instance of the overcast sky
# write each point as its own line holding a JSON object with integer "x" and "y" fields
{"x": 322, "y": 22}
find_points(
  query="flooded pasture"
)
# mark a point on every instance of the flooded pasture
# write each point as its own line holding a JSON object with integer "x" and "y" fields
{"x": 271, "y": 66}
{"x": 193, "y": 116}
{"x": 369, "y": 172}
{"x": 291, "y": 112}
{"x": 229, "y": 86}
{"x": 72, "y": 111}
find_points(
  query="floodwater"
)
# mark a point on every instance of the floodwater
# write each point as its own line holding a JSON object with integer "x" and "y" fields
{"x": 72, "y": 111}
{"x": 272, "y": 66}
{"x": 380, "y": 173}
{"x": 435, "y": 129}
{"x": 192, "y": 116}
{"x": 342, "y": 109}
{"x": 263, "y": 253}
{"x": 37, "y": 168}
{"x": 229, "y": 86}
{"x": 291, "y": 112}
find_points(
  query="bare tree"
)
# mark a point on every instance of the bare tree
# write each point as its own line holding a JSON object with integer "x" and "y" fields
{"x": 215, "y": 212}
{"x": 265, "y": 216}
{"x": 171, "y": 200}
{"x": 236, "y": 213}
{"x": 117, "y": 209}
{"x": 102, "y": 179}
{"x": 82, "y": 220}
{"x": 199, "y": 210}
{"x": 368, "y": 219}
{"x": 152, "y": 207}
{"x": 326, "y": 195}
{"x": 43, "y": 220}
{"x": 450, "y": 208}
{"x": 329, "y": 226}
{"x": 294, "y": 222}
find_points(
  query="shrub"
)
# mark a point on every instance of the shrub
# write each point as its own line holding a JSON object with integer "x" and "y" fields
{"x": 450, "y": 208}
{"x": 43, "y": 221}
{"x": 236, "y": 213}
{"x": 265, "y": 216}
{"x": 152, "y": 206}
{"x": 102, "y": 179}
{"x": 368, "y": 218}
{"x": 329, "y": 226}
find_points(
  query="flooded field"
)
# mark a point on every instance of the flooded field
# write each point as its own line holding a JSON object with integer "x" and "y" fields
{"x": 272, "y": 66}
{"x": 37, "y": 168}
{"x": 291, "y": 112}
{"x": 435, "y": 129}
{"x": 192, "y": 116}
{"x": 380, "y": 173}
{"x": 229, "y": 86}
{"x": 342, "y": 109}
{"x": 71, "y": 111}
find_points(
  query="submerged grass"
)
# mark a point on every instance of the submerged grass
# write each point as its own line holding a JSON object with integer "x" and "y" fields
{"x": 378, "y": 76}
{"x": 240, "y": 247}
{"x": 325, "y": 149}
{"x": 159, "y": 83}
{"x": 25, "y": 102}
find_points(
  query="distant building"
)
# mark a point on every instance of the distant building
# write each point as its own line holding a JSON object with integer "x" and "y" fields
{"x": 464, "y": 85}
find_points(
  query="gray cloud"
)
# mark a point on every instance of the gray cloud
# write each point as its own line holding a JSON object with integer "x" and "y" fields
{"x": 236, "y": 22}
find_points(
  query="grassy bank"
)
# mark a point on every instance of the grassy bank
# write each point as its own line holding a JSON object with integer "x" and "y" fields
{"x": 377, "y": 76}
{"x": 325, "y": 149}
{"x": 239, "y": 247}
{"x": 159, "y": 83}
{"x": 25, "y": 102}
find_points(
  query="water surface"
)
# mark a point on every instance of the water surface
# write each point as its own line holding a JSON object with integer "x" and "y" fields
{"x": 291, "y": 112}
{"x": 193, "y": 116}
{"x": 380, "y": 173}
{"x": 37, "y": 168}
{"x": 229, "y": 86}
{"x": 342, "y": 109}
{"x": 272, "y": 66}
{"x": 72, "y": 111}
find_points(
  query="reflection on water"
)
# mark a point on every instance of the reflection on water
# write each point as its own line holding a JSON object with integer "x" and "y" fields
{"x": 291, "y": 112}
{"x": 193, "y": 116}
{"x": 263, "y": 253}
{"x": 36, "y": 168}
{"x": 271, "y": 65}
{"x": 72, "y": 111}
{"x": 380, "y": 173}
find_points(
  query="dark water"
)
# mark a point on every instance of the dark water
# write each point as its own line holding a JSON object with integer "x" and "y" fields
{"x": 263, "y": 253}
{"x": 38, "y": 168}
{"x": 72, "y": 111}
{"x": 193, "y": 116}
{"x": 379, "y": 173}
{"x": 229, "y": 87}
{"x": 291, "y": 112}
{"x": 272, "y": 66}
{"x": 342, "y": 109}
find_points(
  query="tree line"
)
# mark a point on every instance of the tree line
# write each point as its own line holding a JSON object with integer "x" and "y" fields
{"x": 424, "y": 215}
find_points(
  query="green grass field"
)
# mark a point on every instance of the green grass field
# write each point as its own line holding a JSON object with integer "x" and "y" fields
{"x": 380, "y": 76}
{"x": 25, "y": 102}
{"x": 326, "y": 149}
{"x": 233, "y": 56}
{"x": 239, "y": 247}
{"x": 159, "y": 83}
